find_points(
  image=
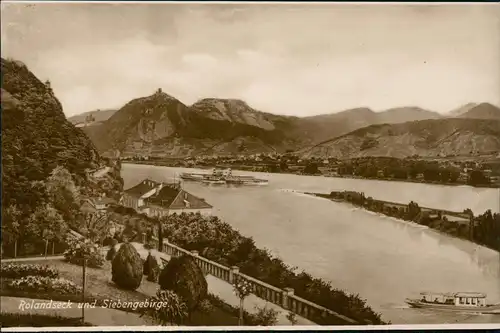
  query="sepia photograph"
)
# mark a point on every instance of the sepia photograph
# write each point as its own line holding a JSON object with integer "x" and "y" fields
{"x": 240, "y": 164}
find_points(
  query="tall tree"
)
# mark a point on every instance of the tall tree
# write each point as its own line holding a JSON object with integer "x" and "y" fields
{"x": 96, "y": 225}
{"x": 63, "y": 192}
{"x": 48, "y": 224}
{"x": 11, "y": 226}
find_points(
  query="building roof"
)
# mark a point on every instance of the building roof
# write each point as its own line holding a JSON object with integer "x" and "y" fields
{"x": 103, "y": 201}
{"x": 142, "y": 188}
{"x": 173, "y": 197}
{"x": 455, "y": 294}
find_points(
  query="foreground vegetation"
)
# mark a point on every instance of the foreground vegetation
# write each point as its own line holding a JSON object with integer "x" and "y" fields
{"x": 483, "y": 229}
{"x": 219, "y": 242}
{"x": 187, "y": 304}
{"x": 37, "y": 320}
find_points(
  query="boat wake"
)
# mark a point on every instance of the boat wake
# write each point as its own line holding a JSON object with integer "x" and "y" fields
{"x": 395, "y": 306}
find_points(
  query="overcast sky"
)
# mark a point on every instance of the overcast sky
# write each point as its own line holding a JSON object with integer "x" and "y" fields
{"x": 296, "y": 59}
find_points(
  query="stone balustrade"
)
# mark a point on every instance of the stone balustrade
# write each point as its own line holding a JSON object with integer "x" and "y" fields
{"x": 284, "y": 298}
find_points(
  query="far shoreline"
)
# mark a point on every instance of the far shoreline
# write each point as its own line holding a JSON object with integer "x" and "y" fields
{"x": 411, "y": 181}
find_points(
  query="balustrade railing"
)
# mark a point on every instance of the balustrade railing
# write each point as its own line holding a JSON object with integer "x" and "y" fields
{"x": 284, "y": 298}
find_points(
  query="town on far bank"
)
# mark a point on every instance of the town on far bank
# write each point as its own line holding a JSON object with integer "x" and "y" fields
{"x": 446, "y": 170}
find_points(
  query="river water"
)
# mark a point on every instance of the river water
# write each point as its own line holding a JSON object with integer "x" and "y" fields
{"x": 382, "y": 259}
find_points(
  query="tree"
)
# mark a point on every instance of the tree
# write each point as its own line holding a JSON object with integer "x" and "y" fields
{"x": 50, "y": 224}
{"x": 149, "y": 265}
{"x": 183, "y": 276}
{"x": 11, "y": 226}
{"x": 413, "y": 211}
{"x": 432, "y": 174}
{"x": 242, "y": 288}
{"x": 95, "y": 225}
{"x": 311, "y": 168}
{"x": 63, "y": 193}
{"x": 172, "y": 311}
{"x": 477, "y": 177}
{"x": 283, "y": 166}
{"x": 126, "y": 269}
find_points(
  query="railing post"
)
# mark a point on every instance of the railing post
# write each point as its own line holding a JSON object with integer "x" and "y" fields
{"x": 165, "y": 246}
{"x": 233, "y": 271}
{"x": 286, "y": 293}
{"x": 143, "y": 238}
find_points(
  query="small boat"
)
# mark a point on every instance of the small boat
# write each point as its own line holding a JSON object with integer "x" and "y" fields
{"x": 459, "y": 302}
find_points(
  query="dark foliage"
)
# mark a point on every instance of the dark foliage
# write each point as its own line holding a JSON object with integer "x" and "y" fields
{"x": 38, "y": 320}
{"x": 126, "y": 268}
{"x": 110, "y": 255}
{"x": 150, "y": 264}
{"x": 183, "y": 276}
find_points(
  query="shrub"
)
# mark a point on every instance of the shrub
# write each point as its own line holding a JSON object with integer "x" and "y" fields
{"x": 80, "y": 250}
{"x": 127, "y": 267}
{"x": 206, "y": 306}
{"x": 265, "y": 317}
{"x": 146, "y": 264}
{"x": 292, "y": 318}
{"x": 109, "y": 241}
{"x": 183, "y": 276}
{"x": 151, "y": 268}
{"x": 21, "y": 270}
{"x": 45, "y": 284}
{"x": 154, "y": 274}
{"x": 111, "y": 253}
{"x": 172, "y": 311}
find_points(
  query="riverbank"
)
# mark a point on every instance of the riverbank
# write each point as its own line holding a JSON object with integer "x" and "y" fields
{"x": 297, "y": 170}
{"x": 483, "y": 229}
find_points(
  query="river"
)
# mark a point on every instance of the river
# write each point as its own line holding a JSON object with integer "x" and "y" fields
{"x": 382, "y": 259}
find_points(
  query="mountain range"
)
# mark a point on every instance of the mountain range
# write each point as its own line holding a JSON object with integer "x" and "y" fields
{"x": 161, "y": 125}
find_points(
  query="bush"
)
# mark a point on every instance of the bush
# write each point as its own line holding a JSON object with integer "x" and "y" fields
{"x": 146, "y": 264}
{"x": 127, "y": 267}
{"x": 14, "y": 271}
{"x": 173, "y": 311}
{"x": 183, "y": 276}
{"x": 154, "y": 274}
{"x": 151, "y": 268}
{"x": 109, "y": 241}
{"x": 265, "y": 317}
{"x": 45, "y": 284}
{"x": 78, "y": 250}
{"x": 111, "y": 254}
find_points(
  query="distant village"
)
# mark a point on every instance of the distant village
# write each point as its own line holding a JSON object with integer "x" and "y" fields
{"x": 440, "y": 170}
